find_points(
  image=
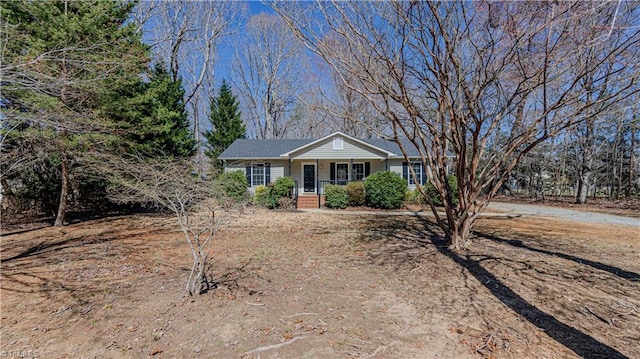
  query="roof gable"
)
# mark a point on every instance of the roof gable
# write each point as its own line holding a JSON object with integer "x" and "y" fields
{"x": 334, "y": 135}
{"x": 254, "y": 149}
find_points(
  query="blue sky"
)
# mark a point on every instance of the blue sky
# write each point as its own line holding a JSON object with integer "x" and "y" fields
{"x": 257, "y": 7}
{"x": 225, "y": 50}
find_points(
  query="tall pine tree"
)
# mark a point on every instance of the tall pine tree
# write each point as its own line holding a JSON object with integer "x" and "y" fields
{"x": 226, "y": 124}
{"x": 59, "y": 60}
{"x": 154, "y": 116}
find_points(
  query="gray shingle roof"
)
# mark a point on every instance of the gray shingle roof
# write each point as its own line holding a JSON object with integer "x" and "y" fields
{"x": 259, "y": 149}
{"x": 269, "y": 149}
{"x": 392, "y": 146}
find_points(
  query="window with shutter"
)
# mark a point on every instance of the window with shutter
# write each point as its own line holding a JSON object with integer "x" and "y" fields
{"x": 417, "y": 168}
{"x": 257, "y": 174}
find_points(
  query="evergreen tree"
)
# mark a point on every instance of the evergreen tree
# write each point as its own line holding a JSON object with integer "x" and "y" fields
{"x": 226, "y": 124}
{"x": 153, "y": 114}
{"x": 59, "y": 60}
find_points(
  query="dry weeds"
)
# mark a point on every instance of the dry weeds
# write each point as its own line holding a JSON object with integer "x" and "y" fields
{"x": 294, "y": 285}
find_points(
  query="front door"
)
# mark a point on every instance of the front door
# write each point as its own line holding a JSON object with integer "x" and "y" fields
{"x": 309, "y": 178}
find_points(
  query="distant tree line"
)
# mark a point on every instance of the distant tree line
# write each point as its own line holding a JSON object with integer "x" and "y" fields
{"x": 610, "y": 159}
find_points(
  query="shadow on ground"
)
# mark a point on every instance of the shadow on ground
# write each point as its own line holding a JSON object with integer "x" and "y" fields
{"x": 408, "y": 241}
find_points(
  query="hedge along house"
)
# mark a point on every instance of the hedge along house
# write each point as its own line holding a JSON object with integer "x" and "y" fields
{"x": 313, "y": 163}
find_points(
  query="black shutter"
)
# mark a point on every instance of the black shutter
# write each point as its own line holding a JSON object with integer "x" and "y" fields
{"x": 267, "y": 173}
{"x": 248, "y": 173}
{"x": 405, "y": 171}
{"x": 332, "y": 166}
{"x": 424, "y": 174}
{"x": 367, "y": 169}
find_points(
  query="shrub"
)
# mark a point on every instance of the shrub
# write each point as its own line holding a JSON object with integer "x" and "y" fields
{"x": 286, "y": 203}
{"x": 336, "y": 196}
{"x": 261, "y": 196}
{"x": 435, "y": 196}
{"x": 355, "y": 192}
{"x": 385, "y": 190}
{"x": 430, "y": 190}
{"x": 276, "y": 194}
{"x": 234, "y": 185}
{"x": 415, "y": 197}
{"x": 282, "y": 187}
{"x": 453, "y": 185}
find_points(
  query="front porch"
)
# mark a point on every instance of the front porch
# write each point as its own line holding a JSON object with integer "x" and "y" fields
{"x": 313, "y": 175}
{"x": 308, "y": 200}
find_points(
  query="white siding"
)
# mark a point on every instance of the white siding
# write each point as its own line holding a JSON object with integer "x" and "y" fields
{"x": 395, "y": 165}
{"x": 377, "y": 166}
{"x": 350, "y": 150}
{"x": 278, "y": 168}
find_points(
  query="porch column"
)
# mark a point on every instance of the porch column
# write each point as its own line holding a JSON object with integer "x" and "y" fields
{"x": 318, "y": 180}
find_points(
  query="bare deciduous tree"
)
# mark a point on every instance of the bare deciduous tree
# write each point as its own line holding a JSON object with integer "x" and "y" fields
{"x": 350, "y": 112}
{"x": 482, "y": 82}
{"x": 168, "y": 184}
{"x": 268, "y": 74}
{"x": 186, "y": 35}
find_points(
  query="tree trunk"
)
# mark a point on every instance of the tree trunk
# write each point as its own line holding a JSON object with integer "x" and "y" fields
{"x": 583, "y": 188}
{"x": 632, "y": 150}
{"x": 586, "y": 168}
{"x": 460, "y": 232}
{"x": 619, "y": 184}
{"x": 64, "y": 192}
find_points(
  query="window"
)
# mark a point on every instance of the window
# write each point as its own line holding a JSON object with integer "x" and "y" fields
{"x": 358, "y": 171}
{"x": 417, "y": 168}
{"x": 337, "y": 143}
{"x": 258, "y": 174}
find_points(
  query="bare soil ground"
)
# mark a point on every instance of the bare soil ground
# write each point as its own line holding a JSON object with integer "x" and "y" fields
{"x": 309, "y": 285}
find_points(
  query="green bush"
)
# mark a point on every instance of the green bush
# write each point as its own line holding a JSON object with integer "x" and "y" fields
{"x": 435, "y": 196}
{"x": 453, "y": 185}
{"x": 355, "y": 191}
{"x": 272, "y": 196}
{"x": 430, "y": 190}
{"x": 336, "y": 196}
{"x": 415, "y": 197}
{"x": 385, "y": 190}
{"x": 261, "y": 196}
{"x": 234, "y": 185}
{"x": 282, "y": 187}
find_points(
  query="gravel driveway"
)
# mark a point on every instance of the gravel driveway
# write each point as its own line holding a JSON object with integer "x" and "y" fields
{"x": 513, "y": 209}
{"x": 562, "y": 213}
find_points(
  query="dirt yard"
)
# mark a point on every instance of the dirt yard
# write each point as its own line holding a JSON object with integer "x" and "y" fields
{"x": 307, "y": 285}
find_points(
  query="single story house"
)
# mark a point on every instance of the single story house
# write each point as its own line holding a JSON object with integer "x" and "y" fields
{"x": 313, "y": 163}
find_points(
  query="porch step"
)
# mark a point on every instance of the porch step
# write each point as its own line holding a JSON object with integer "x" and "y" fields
{"x": 309, "y": 201}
